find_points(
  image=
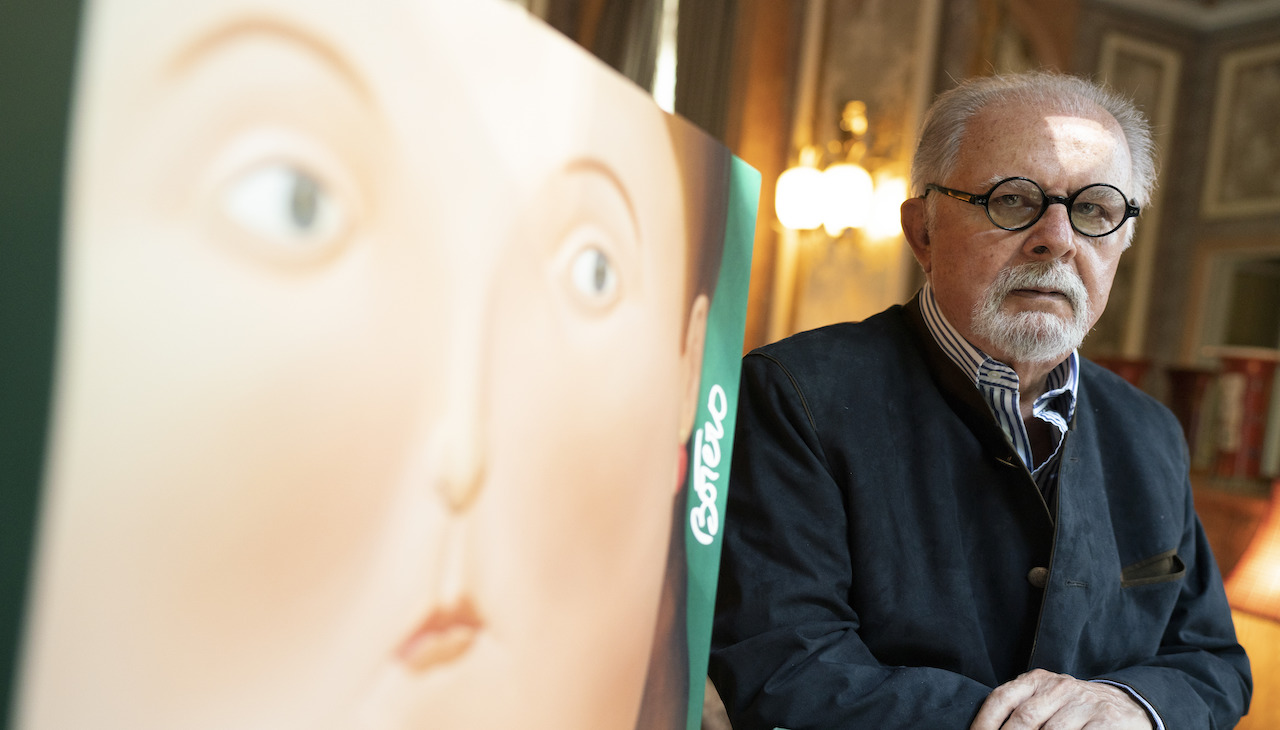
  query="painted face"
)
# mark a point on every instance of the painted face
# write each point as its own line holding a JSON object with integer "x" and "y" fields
{"x": 966, "y": 254}
{"x": 370, "y": 394}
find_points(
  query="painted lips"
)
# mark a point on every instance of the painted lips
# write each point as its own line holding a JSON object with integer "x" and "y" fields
{"x": 446, "y": 635}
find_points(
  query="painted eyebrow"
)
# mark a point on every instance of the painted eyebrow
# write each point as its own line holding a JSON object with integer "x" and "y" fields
{"x": 591, "y": 165}
{"x": 277, "y": 30}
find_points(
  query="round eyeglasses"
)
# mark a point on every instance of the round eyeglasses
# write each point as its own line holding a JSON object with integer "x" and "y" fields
{"x": 1016, "y": 203}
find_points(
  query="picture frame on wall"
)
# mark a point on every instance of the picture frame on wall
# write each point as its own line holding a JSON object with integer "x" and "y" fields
{"x": 1149, "y": 73}
{"x": 1243, "y": 171}
{"x": 825, "y": 278}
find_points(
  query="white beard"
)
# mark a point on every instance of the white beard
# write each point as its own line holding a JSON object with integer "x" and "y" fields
{"x": 1033, "y": 336}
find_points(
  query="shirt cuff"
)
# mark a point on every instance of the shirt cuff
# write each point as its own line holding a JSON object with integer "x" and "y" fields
{"x": 1151, "y": 711}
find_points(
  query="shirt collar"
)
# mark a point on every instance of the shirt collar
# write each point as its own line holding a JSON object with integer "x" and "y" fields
{"x": 983, "y": 370}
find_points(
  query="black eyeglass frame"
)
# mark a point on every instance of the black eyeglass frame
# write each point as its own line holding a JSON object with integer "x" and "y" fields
{"x": 1131, "y": 210}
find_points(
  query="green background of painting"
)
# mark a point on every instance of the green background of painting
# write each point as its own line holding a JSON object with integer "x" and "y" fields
{"x": 37, "y": 62}
{"x": 721, "y": 363}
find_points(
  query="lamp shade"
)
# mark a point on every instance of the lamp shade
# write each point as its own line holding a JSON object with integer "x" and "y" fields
{"x": 846, "y": 191}
{"x": 798, "y": 198}
{"x": 1254, "y": 584}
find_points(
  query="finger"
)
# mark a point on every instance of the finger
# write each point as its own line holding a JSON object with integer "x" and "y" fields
{"x": 1045, "y": 709}
{"x": 1065, "y": 703}
{"x": 1002, "y": 701}
{"x": 1025, "y": 702}
{"x": 1070, "y": 716}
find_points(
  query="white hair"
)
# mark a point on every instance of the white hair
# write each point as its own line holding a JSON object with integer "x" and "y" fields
{"x": 947, "y": 119}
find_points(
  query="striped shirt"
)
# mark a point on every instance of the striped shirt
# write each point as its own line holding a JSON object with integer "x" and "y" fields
{"x": 998, "y": 384}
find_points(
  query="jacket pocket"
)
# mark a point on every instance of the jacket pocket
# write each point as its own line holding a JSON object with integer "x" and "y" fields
{"x": 1160, "y": 568}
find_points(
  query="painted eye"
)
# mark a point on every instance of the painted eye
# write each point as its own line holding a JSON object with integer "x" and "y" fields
{"x": 594, "y": 275}
{"x": 282, "y": 203}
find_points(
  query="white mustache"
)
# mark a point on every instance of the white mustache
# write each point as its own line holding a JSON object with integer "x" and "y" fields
{"x": 1042, "y": 275}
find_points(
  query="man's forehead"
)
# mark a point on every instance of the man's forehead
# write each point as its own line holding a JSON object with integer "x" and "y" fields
{"x": 1046, "y": 116}
{"x": 1016, "y": 134}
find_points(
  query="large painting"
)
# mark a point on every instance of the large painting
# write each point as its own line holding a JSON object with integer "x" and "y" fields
{"x": 1243, "y": 176}
{"x": 394, "y": 379}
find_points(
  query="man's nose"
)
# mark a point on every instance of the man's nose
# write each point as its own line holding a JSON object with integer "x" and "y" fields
{"x": 1052, "y": 237}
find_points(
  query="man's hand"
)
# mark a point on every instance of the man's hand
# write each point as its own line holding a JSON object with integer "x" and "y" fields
{"x": 1042, "y": 699}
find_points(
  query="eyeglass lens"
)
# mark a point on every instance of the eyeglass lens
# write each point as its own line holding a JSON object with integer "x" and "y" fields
{"x": 1095, "y": 210}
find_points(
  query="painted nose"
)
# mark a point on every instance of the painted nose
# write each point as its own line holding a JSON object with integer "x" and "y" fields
{"x": 461, "y": 459}
{"x": 460, "y": 433}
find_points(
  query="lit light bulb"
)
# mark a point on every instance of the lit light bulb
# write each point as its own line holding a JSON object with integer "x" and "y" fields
{"x": 846, "y": 194}
{"x": 798, "y": 198}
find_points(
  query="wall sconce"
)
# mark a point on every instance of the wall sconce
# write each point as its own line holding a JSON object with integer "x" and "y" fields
{"x": 835, "y": 191}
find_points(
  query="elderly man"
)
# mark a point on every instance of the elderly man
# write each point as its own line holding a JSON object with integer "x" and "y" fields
{"x": 943, "y": 517}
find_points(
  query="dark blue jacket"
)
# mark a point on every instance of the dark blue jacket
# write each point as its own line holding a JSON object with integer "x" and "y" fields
{"x": 885, "y": 548}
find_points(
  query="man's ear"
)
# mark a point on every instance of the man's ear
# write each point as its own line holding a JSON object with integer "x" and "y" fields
{"x": 695, "y": 339}
{"x": 917, "y": 233}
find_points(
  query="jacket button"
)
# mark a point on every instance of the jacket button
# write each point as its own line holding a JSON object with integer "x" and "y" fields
{"x": 1038, "y": 577}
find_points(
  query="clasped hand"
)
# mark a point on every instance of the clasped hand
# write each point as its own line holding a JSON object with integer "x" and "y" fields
{"x": 1043, "y": 699}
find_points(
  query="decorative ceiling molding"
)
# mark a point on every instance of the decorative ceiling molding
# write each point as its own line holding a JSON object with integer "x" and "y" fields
{"x": 1203, "y": 15}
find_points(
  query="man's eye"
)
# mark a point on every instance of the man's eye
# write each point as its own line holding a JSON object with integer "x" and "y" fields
{"x": 280, "y": 202}
{"x": 593, "y": 275}
{"x": 1098, "y": 211}
{"x": 1010, "y": 201}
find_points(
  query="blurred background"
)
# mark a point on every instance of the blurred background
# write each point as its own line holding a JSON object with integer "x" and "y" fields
{"x": 823, "y": 97}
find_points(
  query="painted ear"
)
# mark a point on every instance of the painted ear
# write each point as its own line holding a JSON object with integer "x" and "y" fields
{"x": 914, "y": 219}
{"x": 695, "y": 339}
